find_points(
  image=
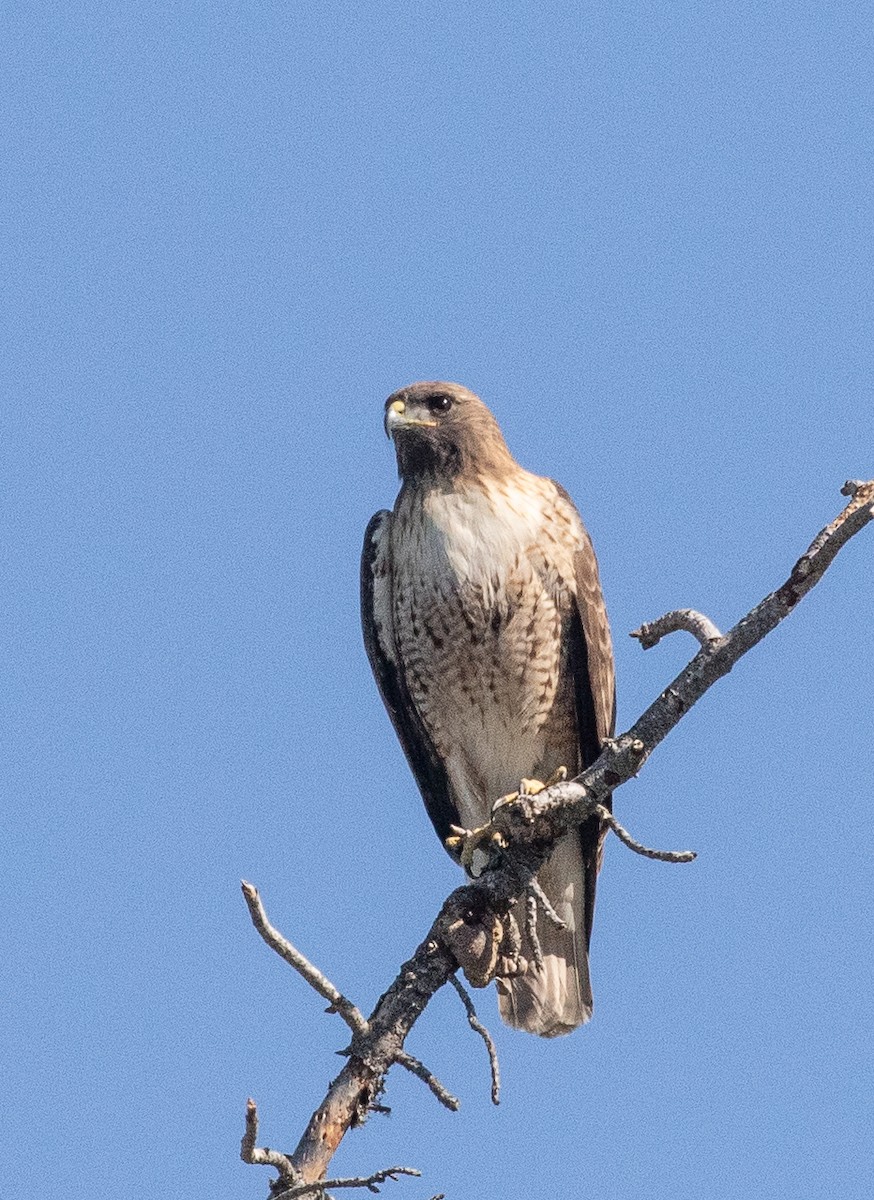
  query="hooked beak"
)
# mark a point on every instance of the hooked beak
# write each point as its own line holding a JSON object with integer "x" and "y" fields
{"x": 397, "y": 420}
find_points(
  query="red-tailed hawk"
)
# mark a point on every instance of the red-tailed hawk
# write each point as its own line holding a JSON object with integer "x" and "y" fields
{"x": 486, "y": 630}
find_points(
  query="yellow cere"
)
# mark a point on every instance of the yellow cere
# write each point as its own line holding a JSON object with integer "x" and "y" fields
{"x": 398, "y": 406}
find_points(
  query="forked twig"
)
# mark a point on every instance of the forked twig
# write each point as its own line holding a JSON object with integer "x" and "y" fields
{"x": 359, "y": 1181}
{"x": 263, "y": 1156}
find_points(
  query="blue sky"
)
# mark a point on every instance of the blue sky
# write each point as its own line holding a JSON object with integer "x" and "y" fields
{"x": 643, "y": 234}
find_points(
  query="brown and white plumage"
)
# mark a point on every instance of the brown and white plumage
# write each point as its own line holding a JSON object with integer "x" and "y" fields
{"x": 486, "y": 630}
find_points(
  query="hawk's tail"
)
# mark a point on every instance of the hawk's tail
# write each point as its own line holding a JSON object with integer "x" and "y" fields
{"x": 557, "y": 997}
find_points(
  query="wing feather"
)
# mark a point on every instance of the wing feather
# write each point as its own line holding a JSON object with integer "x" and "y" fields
{"x": 377, "y": 623}
{"x": 599, "y": 645}
{"x": 594, "y": 674}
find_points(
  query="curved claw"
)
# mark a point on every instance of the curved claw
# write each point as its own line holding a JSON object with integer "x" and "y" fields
{"x": 485, "y": 838}
{"x": 510, "y": 798}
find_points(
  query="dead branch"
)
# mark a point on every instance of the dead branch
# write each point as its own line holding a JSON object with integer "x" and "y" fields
{"x": 361, "y": 1181}
{"x": 478, "y": 1027}
{"x": 701, "y": 627}
{"x": 419, "y": 1069}
{"x": 670, "y": 856}
{"x": 262, "y": 1156}
{"x": 475, "y": 921}
{"x": 314, "y": 977}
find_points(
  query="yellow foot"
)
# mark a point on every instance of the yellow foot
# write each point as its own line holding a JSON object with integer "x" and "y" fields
{"x": 533, "y": 787}
{"x": 468, "y": 841}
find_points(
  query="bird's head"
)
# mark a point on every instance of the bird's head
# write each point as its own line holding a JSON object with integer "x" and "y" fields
{"x": 443, "y": 430}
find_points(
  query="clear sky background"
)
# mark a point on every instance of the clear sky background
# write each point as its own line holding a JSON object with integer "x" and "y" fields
{"x": 643, "y": 233}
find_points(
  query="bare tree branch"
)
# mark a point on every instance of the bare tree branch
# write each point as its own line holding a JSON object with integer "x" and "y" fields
{"x": 359, "y": 1083}
{"x": 314, "y": 977}
{"x": 418, "y": 1068}
{"x": 261, "y": 1156}
{"x": 361, "y": 1181}
{"x": 693, "y": 622}
{"x": 476, "y": 922}
{"x": 478, "y": 1027}
{"x": 669, "y": 856}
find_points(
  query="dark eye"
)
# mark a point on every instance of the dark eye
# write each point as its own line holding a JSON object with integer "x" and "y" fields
{"x": 439, "y": 404}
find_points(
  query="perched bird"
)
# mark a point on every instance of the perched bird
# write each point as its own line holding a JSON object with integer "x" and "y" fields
{"x": 487, "y": 633}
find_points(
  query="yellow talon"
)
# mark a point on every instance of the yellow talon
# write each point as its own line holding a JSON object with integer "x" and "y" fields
{"x": 533, "y": 787}
{"x": 468, "y": 841}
